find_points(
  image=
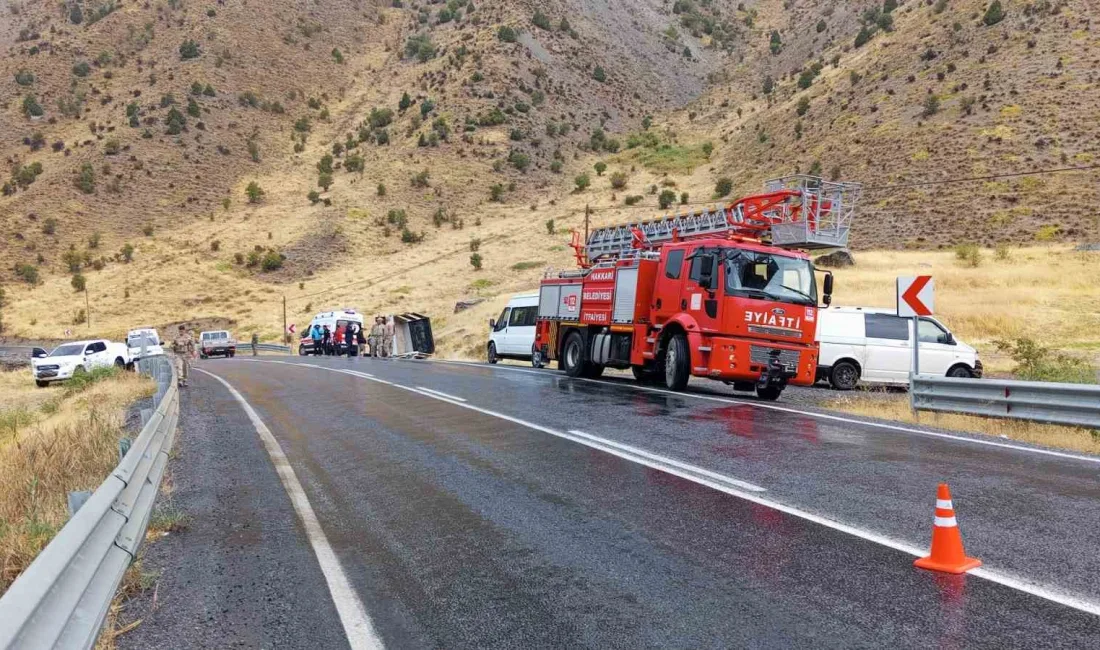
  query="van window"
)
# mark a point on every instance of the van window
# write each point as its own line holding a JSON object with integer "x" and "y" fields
{"x": 523, "y": 317}
{"x": 885, "y": 326}
{"x": 931, "y": 332}
{"x": 674, "y": 264}
{"x": 502, "y": 322}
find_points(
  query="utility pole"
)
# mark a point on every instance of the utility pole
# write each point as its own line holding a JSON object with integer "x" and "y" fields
{"x": 586, "y": 211}
{"x": 284, "y": 321}
{"x": 87, "y": 307}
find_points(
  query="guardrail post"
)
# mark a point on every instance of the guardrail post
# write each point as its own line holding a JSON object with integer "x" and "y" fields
{"x": 76, "y": 500}
{"x": 124, "y": 445}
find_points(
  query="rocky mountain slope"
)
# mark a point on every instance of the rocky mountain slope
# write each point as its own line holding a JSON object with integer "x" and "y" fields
{"x": 184, "y": 159}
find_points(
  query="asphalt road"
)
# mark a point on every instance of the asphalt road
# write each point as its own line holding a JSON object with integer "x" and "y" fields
{"x": 477, "y": 506}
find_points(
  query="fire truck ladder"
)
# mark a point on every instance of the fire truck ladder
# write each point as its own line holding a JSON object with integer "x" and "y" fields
{"x": 799, "y": 211}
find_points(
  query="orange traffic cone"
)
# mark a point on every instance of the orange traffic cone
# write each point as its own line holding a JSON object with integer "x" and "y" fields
{"x": 947, "y": 545}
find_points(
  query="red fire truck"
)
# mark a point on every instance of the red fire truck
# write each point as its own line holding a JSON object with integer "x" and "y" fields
{"x": 726, "y": 294}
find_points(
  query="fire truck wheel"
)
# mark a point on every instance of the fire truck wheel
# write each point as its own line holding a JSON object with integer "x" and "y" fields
{"x": 677, "y": 363}
{"x": 770, "y": 393}
{"x": 844, "y": 375}
{"x": 572, "y": 356}
{"x": 493, "y": 358}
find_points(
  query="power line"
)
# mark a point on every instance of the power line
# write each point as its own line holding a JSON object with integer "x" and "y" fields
{"x": 974, "y": 179}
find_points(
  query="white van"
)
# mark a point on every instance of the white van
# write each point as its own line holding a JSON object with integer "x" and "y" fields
{"x": 512, "y": 336}
{"x": 875, "y": 346}
{"x": 144, "y": 339}
{"x": 333, "y": 319}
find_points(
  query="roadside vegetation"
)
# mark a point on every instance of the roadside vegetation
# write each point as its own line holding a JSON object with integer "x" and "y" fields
{"x": 54, "y": 441}
{"x": 895, "y": 406}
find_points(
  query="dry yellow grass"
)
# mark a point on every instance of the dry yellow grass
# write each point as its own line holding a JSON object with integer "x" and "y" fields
{"x": 71, "y": 444}
{"x": 896, "y": 407}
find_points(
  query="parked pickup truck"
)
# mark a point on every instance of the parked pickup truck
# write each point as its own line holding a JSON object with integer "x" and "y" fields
{"x": 217, "y": 343}
{"x": 144, "y": 342}
{"x": 69, "y": 359}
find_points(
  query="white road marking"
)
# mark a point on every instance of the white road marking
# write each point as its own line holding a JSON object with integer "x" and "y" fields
{"x": 1024, "y": 585}
{"x": 787, "y": 409}
{"x": 429, "y": 390}
{"x": 353, "y": 615}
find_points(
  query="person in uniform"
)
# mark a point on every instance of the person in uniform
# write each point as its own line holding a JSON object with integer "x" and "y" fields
{"x": 376, "y": 332}
{"x": 184, "y": 347}
{"x": 387, "y": 337}
{"x": 255, "y": 342}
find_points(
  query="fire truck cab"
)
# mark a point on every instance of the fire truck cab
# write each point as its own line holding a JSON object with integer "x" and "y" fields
{"x": 702, "y": 300}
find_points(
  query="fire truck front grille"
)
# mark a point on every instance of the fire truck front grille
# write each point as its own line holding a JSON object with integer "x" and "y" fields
{"x": 762, "y": 355}
{"x": 774, "y": 331}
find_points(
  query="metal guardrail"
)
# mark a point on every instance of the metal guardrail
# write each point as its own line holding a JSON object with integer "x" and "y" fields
{"x": 62, "y": 598}
{"x": 266, "y": 347}
{"x": 1049, "y": 402}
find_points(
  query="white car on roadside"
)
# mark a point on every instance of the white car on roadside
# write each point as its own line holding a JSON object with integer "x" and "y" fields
{"x": 69, "y": 359}
{"x": 144, "y": 338}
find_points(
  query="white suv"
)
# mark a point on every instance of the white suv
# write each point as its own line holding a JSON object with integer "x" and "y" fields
{"x": 875, "y": 346}
{"x": 69, "y": 359}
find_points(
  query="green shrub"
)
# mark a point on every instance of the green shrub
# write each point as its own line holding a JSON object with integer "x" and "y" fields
{"x": 31, "y": 107}
{"x": 381, "y": 189}
{"x": 994, "y": 14}
{"x": 420, "y": 46}
{"x": 127, "y": 252}
{"x": 381, "y": 117}
{"x": 189, "y": 49}
{"x": 496, "y": 192}
{"x": 324, "y": 180}
{"x": 409, "y": 237}
{"x": 556, "y": 166}
{"x": 931, "y": 106}
{"x": 255, "y": 192}
{"x": 769, "y": 85}
{"x": 541, "y": 21}
{"x": 175, "y": 122}
{"x": 582, "y": 181}
{"x": 968, "y": 255}
{"x": 666, "y": 199}
{"x": 27, "y": 272}
{"x": 1035, "y": 362}
{"x": 550, "y": 226}
{"x": 78, "y": 283}
{"x": 507, "y": 34}
{"x": 723, "y": 187}
{"x": 803, "y": 106}
{"x": 82, "y": 69}
{"x": 475, "y": 261}
{"x": 24, "y": 78}
{"x": 633, "y": 200}
{"x": 337, "y": 56}
{"x": 85, "y": 179}
{"x": 475, "y": 244}
{"x": 775, "y": 43}
{"x": 421, "y": 179}
{"x": 354, "y": 163}
{"x": 618, "y": 180}
{"x": 599, "y": 75}
{"x": 863, "y": 36}
{"x": 600, "y": 168}
{"x": 272, "y": 261}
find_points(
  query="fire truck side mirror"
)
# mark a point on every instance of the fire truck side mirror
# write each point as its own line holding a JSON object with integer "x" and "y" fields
{"x": 706, "y": 271}
{"x": 828, "y": 288}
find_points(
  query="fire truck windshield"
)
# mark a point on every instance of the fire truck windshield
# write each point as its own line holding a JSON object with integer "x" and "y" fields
{"x": 787, "y": 279}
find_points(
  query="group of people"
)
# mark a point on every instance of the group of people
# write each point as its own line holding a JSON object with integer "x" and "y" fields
{"x": 350, "y": 339}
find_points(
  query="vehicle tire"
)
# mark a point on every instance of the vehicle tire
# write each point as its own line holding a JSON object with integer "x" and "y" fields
{"x": 536, "y": 358}
{"x": 79, "y": 370}
{"x": 960, "y": 372}
{"x": 232, "y": 354}
{"x": 844, "y": 375}
{"x": 119, "y": 362}
{"x": 677, "y": 363}
{"x": 642, "y": 375}
{"x": 572, "y": 356}
{"x": 301, "y": 350}
{"x": 40, "y": 383}
{"x": 493, "y": 358}
{"x": 202, "y": 356}
{"x": 769, "y": 393}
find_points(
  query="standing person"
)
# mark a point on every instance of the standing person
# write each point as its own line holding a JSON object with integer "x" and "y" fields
{"x": 326, "y": 340}
{"x": 360, "y": 340}
{"x": 338, "y": 339}
{"x": 184, "y": 348}
{"x": 376, "y": 332}
{"x": 387, "y": 337}
{"x": 349, "y": 340}
{"x": 316, "y": 336}
{"x": 255, "y": 342}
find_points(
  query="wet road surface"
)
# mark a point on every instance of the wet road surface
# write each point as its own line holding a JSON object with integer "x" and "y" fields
{"x": 463, "y": 517}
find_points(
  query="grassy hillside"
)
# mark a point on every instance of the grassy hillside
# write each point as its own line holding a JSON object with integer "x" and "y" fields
{"x": 201, "y": 159}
